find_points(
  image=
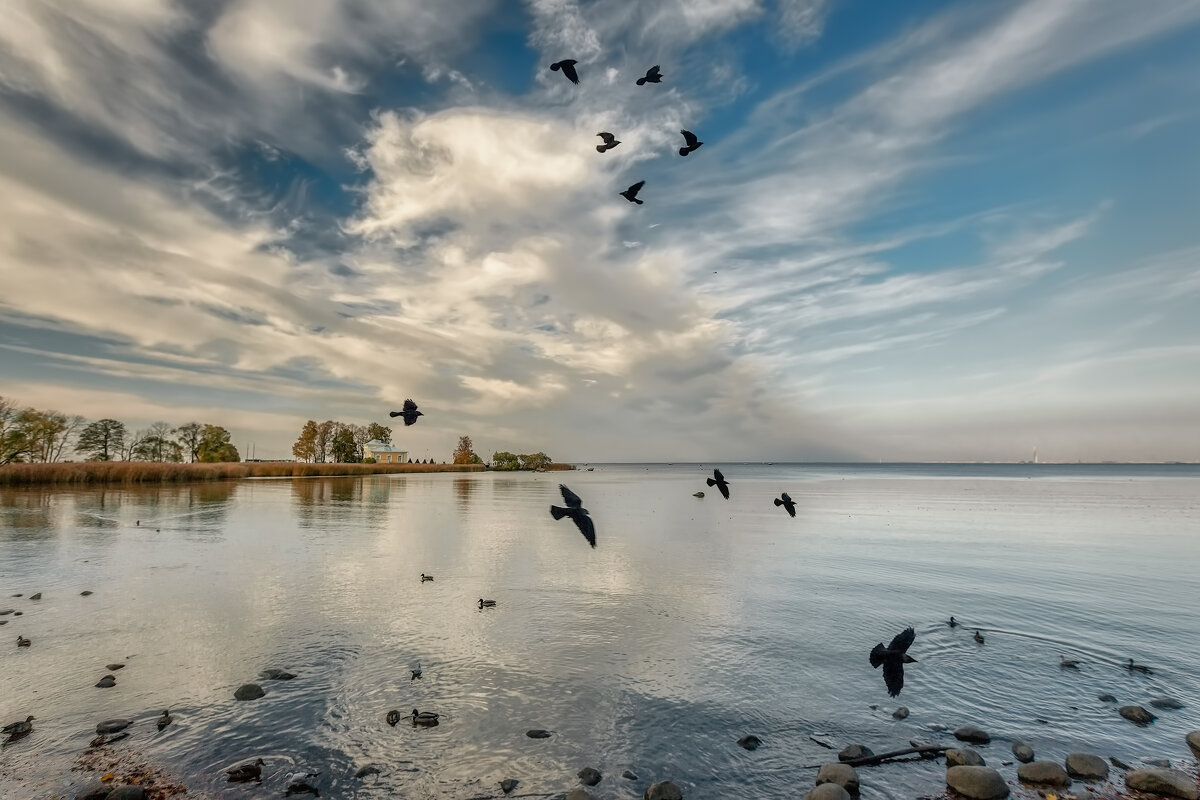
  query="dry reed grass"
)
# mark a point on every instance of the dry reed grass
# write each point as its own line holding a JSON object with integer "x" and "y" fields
{"x": 86, "y": 472}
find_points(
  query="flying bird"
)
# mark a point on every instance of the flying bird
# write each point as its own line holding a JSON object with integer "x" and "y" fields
{"x": 610, "y": 142}
{"x": 692, "y": 143}
{"x": 630, "y": 194}
{"x": 652, "y": 76}
{"x": 718, "y": 480}
{"x": 567, "y": 65}
{"x": 577, "y": 513}
{"x": 787, "y": 503}
{"x": 409, "y": 413}
{"x": 893, "y": 658}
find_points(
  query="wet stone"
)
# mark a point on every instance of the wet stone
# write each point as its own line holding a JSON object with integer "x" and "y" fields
{"x": 248, "y": 691}
{"x": 966, "y": 757}
{"x": 828, "y": 791}
{"x": 901, "y": 712}
{"x": 1165, "y": 782}
{"x": 1106, "y": 698}
{"x": 126, "y": 793}
{"x": 537, "y": 733}
{"x": 1043, "y": 773}
{"x": 1086, "y": 766}
{"x": 749, "y": 742}
{"x": 1193, "y": 741}
{"x": 843, "y": 775}
{"x": 589, "y": 776}
{"x": 969, "y": 733}
{"x": 508, "y": 784}
{"x": 977, "y": 783}
{"x": 663, "y": 790}
{"x": 579, "y": 793}
{"x": 1022, "y": 752}
{"x": 364, "y": 771}
{"x": 855, "y": 751}
{"x": 1166, "y": 703}
{"x": 1136, "y": 714}
{"x": 629, "y": 775}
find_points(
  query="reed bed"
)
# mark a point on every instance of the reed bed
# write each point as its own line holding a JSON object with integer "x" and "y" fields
{"x": 131, "y": 472}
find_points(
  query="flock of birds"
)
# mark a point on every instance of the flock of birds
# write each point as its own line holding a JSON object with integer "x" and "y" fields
{"x": 653, "y": 75}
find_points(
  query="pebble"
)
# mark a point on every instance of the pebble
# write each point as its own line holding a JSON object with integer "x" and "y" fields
{"x": 663, "y": 790}
{"x": 966, "y": 757}
{"x": 1106, "y": 698}
{"x": 901, "y": 712}
{"x": 1167, "y": 782}
{"x": 843, "y": 775}
{"x": 1136, "y": 714}
{"x": 1022, "y": 752}
{"x": 1086, "y": 766}
{"x": 248, "y": 691}
{"x": 855, "y": 751}
{"x": 107, "y": 682}
{"x": 977, "y": 783}
{"x": 1043, "y": 773}
{"x": 749, "y": 742}
{"x": 113, "y": 725}
{"x": 589, "y": 776}
{"x": 1168, "y": 703}
{"x": 85, "y": 593}
{"x": 537, "y": 733}
{"x": 969, "y": 733}
{"x": 828, "y": 791}
{"x": 508, "y": 784}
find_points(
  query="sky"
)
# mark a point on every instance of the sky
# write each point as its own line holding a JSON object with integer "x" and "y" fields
{"x": 915, "y": 231}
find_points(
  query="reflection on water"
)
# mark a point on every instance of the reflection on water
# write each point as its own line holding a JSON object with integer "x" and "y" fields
{"x": 694, "y": 622}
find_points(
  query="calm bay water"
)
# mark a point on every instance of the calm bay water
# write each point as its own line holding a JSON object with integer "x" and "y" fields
{"x": 695, "y": 621}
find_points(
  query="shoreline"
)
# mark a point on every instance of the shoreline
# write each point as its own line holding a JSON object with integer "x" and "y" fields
{"x": 138, "y": 472}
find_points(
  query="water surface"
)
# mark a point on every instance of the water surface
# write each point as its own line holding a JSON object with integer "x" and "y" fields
{"x": 693, "y": 622}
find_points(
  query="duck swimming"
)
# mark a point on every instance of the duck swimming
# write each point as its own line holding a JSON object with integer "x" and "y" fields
{"x": 393, "y": 717}
{"x": 246, "y": 772}
{"x": 486, "y": 603}
{"x": 165, "y": 720}
{"x": 953, "y": 623}
{"x": 978, "y": 637}
{"x": 424, "y": 717}
{"x": 1132, "y": 667}
{"x": 23, "y": 642}
{"x": 416, "y": 671}
{"x": 1068, "y": 663}
{"x": 425, "y": 577}
{"x": 18, "y": 730}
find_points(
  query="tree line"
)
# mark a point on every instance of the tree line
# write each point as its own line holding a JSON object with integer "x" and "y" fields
{"x": 32, "y": 435}
{"x": 337, "y": 441}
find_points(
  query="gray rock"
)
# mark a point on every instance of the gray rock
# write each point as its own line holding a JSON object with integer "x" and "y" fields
{"x": 1086, "y": 766}
{"x": 37, "y": 596}
{"x": 114, "y": 667}
{"x": 1168, "y": 703}
{"x": 5, "y": 612}
{"x": 508, "y": 784}
{"x": 969, "y": 733}
{"x": 113, "y": 725}
{"x": 1168, "y": 782}
{"x": 3, "y": 622}
{"x": 1118, "y": 763}
{"x": 1106, "y": 698}
{"x": 1193, "y": 741}
{"x": 126, "y": 793}
{"x": 901, "y": 712}
{"x": 1136, "y": 714}
{"x": 629, "y": 775}
{"x": 1022, "y": 752}
{"x": 95, "y": 791}
{"x": 579, "y": 793}
{"x": 364, "y": 771}
{"x": 107, "y": 682}
{"x": 589, "y": 776}
{"x": 248, "y": 691}
{"x": 749, "y": 742}
{"x": 977, "y": 783}
{"x": 663, "y": 790}
{"x": 1043, "y": 773}
{"x": 843, "y": 775}
{"x": 276, "y": 675}
{"x": 854, "y": 751}
{"x": 537, "y": 733}
{"x": 828, "y": 791}
{"x": 1157, "y": 762}
{"x": 966, "y": 757}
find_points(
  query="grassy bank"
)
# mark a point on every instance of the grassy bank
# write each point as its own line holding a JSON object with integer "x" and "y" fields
{"x": 129, "y": 472}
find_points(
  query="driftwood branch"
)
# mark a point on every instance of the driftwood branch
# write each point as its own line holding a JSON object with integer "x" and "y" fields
{"x": 928, "y": 751}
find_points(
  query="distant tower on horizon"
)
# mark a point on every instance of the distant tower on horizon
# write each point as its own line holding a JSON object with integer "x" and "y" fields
{"x": 1035, "y": 455}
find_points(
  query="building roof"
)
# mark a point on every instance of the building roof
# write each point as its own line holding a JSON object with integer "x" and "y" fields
{"x": 380, "y": 447}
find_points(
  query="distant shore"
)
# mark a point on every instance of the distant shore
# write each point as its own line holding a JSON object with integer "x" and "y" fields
{"x": 135, "y": 472}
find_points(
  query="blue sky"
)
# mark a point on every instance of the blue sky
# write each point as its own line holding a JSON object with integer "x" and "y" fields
{"x": 917, "y": 230}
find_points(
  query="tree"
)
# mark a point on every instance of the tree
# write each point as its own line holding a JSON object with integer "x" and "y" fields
{"x": 535, "y": 461}
{"x": 505, "y": 461}
{"x": 188, "y": 437}
{"x": 15, "y": 445}
{"x": 215, "y": 445}
{"x": 362, "y": 435}
{"x": 325, "y": 433}
{"x": 305, "y": 447}
{"x": 102, "y": 440}
{"x": 342, "y": 446}
{"x": 153, "y": 445}
{"x": 463, "y": 454}
{"x": 379, "y": 433}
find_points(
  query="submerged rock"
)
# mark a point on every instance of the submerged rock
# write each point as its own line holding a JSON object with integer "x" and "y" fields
{"x": 1157, "y": 762}
{"x": 114, "y": 667}
{"x": 855, "y": 751}
{"x": 1168, "y": 782}
{"x": 1167, "y": 703}
{"x": 1086, "y": 766}
{"x": 966, "y": 757}
{"x": 589, "y": 776}
{"x": 107, "y": 682}
{"x": 364, "y": 771}
{"x": 248, "y": 691}
{"x": 1118, "y": 763}
{"x": 901, "y": 712}
{"x": 969, "y": 733}
{"x": 663, "y": 790}
{"x": 508, "y": 784}
{"x": 37, "y": 596}
{"x": 977, "y": 783}
{"x": 629, "y": 775}
{"x": 1106, "y": 698}
{"x": 843, "y": 775}
{"x": 579, "y": 793}
{"x": 749, "y": 742}
{"x": 1193, "y": 741}
{"x": 1043, "y": 773}
{"x": 276, "y": 675}
{"x": 95, "y": 791}
{"x": 537, "y": 733}
{"x": 1136, "y": 714}
{"x": 1022, "y": 752}
{"x": 113, "y": 725}
{"x": 5, "y": 612}
{"x": 126, "y": 793}
{"x": 85, "y": 593}
{"x": 828, "y": 791}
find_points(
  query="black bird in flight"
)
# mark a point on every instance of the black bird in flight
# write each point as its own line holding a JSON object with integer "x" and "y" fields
{"x": 610, "y": 142}
{"x": 692, "y": 143}
{"x": 652, "y": 76}
{"x": 719, "y": 482}
{"x": 577, "y": 513}
{"x": 409, "y": 413}
{"x": 567, "y": 65}
{"x": 893, "y": 658}
{"x": 787, "y": 503}
{"x": 630, "y": 194}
